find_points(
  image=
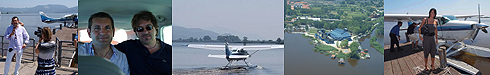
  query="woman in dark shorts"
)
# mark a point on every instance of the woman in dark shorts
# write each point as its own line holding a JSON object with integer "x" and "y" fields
{"x": 428, "y": 29}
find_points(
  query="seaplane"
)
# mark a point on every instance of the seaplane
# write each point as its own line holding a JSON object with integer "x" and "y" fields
{"x": 235, "y": 53}
{"x": 451, "y": 31}
{"x": 70, "y": 18}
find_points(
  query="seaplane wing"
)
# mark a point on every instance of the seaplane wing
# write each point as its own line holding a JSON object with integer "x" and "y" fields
{"x": 221, "y": 47}
{"x": 466, "y": 16}
{"x": 405, "y": 17}
{"x": 209, "y": 47}
{"x": 231, "y": 56}
{"x": 261, "y": 47}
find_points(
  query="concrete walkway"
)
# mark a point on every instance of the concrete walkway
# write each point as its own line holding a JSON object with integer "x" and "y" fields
{"x": 29, "y": 68}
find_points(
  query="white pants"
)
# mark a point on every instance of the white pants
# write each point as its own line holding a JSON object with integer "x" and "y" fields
{"x": 9, "y": 60}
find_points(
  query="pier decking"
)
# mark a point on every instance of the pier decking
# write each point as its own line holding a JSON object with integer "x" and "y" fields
{"x": 407, "y": 61}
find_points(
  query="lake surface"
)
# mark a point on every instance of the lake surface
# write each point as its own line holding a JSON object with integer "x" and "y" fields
{"x": 184, "y": 59}
{"x": 301, "y": 59}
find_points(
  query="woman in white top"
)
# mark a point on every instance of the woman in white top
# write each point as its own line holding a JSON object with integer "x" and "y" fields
{"x": 46, "y": 49}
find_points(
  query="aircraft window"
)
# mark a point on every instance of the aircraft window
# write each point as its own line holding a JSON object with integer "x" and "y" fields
{"x": 450, "y": 17}
{"x": 444, "y": 20}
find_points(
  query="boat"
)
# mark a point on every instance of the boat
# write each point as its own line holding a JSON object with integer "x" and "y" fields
{"x": 341, "y": 61}
{"x": 367, "y": 55}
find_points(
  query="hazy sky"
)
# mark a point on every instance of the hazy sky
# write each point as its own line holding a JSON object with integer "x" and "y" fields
{"x": 33, "y": 3}
{"x": 255, "y": 19}
{"x": 444, "y": 7}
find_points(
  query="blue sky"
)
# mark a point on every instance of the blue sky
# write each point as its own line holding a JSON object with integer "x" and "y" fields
{"x": 255, "y": 19}
{"x": 444, "y": 7}
{"x": 33, "y": 3}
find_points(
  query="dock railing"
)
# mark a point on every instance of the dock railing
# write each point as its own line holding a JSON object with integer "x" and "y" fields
{"x": 33, "y": 47}
{"x": 60, "y": 51}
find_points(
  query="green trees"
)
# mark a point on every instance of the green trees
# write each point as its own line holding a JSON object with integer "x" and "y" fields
{"x": 344, "y": 43}
{"x": 206, "y": 38}
{"x": 354, "y": 46}
{"x": 376, "y": 45}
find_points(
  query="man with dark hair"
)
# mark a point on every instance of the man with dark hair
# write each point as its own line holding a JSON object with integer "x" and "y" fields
{"x": 395, "y": 36}
{"x": 147, "y": 55}
{"x": 18, "y": 39}
{"x": 101, "y": 30}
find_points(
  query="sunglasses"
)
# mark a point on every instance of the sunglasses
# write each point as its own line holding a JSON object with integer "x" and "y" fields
{"x": 140, "y": 29}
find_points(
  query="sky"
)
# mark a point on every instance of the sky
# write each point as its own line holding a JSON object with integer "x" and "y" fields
{"x": 444, "y": 7}
{"x": 255, "y": 19}
{"x": 33, "y": 3}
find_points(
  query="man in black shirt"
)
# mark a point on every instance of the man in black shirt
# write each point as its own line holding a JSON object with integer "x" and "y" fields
{"x": 147, "y": 55}
{"x": 414, "y": 38}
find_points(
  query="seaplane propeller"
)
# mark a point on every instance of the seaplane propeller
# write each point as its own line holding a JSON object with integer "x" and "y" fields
{"x": 480, "y": 26}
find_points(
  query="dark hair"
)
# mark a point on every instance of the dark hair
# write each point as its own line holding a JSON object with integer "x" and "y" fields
{"x": 15, "y": 17}
{"x": 144, "y": 15}
{"x": 399, "y": 22}
{"x": 435, "y": 12}
{"x": 11, "y": 22}
{"x": 99, "y": 15}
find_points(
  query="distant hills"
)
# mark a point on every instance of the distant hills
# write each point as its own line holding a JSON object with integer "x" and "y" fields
{"x": 185, "y": 33}
{"x": 50, "y": 8}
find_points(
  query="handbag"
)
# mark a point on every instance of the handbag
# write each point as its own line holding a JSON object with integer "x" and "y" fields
{"x": 425, "y": 30}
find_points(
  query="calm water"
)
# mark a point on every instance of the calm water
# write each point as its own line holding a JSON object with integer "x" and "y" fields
{"x": 31, "y": 22}
{"x": 300, "y": 59}
{"x": 192, "y": 59}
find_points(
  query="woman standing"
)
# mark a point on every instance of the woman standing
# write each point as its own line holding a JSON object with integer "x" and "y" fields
{"x": 45, "y": 49}
{"x": 428, "y": 28}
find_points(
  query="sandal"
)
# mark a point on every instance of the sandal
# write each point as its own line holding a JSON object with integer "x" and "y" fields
{"x": 426, "y": 68}
{"x": 433, "y": 68}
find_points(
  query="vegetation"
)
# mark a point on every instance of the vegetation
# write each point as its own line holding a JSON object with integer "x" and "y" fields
{"x": 376, "y": 45}
{"x": 325, "y": 48}
{"x": 354, "y": 15}
{"x": 344, "y": 43}
{"x": 230, "y": 38}
{"x": 380, "y": 28}
{"x": 353, "y": 48}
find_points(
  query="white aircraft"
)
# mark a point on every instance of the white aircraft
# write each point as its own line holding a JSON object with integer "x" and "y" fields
{"x": 237, "y": 53}
{"x": 449, "y": 29}
{"x": 452, "y": 31}
{"x": 70, "y": 18}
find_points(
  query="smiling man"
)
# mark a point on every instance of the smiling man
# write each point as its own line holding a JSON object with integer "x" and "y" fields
{"x": 101, "y": 30}
{"x": 147, "y": 55}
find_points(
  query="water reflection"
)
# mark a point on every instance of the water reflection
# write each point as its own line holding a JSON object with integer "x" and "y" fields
{"x": 352, "y": 62}
{"x": 481, "y": 63}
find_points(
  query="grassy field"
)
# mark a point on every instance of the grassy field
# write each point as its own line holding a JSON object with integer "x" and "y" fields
{"x": 312, "y": 31}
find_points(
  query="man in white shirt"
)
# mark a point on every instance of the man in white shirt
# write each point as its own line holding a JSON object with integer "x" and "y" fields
{"x": 18, "y": 37}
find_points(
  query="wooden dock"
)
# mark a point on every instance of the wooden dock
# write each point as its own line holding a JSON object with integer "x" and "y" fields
{"x": 408, "y": 61}
{"x": 29, "y": 66}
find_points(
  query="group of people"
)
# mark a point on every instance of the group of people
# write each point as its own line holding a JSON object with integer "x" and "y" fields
{"x": 18, "y": 39}
{"x": 147, "y": 55}
{"x": 427, "y": 29}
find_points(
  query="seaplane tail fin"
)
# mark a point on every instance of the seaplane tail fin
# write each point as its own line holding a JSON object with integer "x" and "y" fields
{"x": 44, "y": 17}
